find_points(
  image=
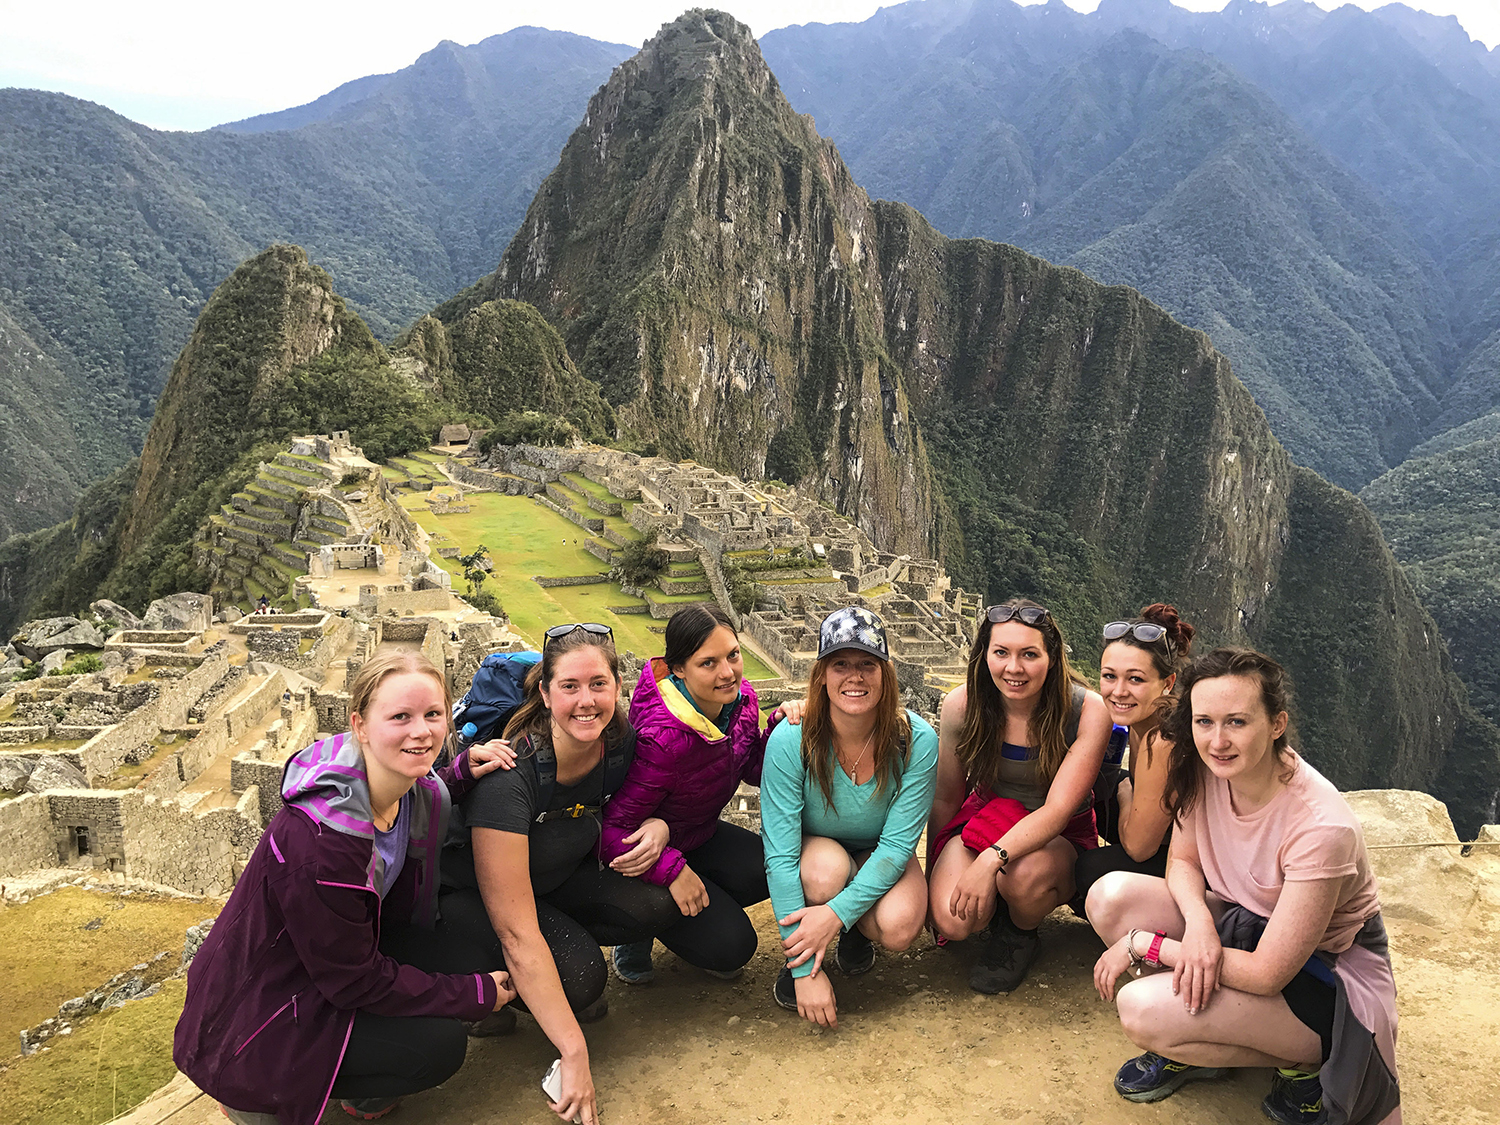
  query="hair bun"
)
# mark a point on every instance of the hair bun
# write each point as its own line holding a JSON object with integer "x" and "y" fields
{"x": 1181, "y": 632}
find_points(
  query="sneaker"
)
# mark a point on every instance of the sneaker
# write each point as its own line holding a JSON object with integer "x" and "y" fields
{"x": 1006, "y": 958}
{"x": 1296, "y": 1098}
{"x": 369, "y": 1109}
{"x": 726, "y": 974}
{"x": 1151, "y": 1077}
{"x": 785, "y": 990}
{"x": 594, "y": 1012}
{"x": 855, "y": 953}
{"x": 502, "y": 1022}
{"x": 633, "y": 962}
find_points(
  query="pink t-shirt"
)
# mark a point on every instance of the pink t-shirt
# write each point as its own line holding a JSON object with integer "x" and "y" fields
{"x": 1306, "y": 832}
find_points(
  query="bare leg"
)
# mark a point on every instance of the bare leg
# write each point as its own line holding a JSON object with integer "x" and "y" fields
{"x": 1235, "y": 1029}
{"x": 826, "y": 869}
{"x": 1122, "y": 901}
{"x": 1036, "y": 884}
{"x": 898, "y": 915}
{"x": 946, "y": 872}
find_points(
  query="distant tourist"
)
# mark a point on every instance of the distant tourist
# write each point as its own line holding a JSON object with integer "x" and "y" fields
{"x": 528, "y": 886}
{"x": 282, "y": 999}
{"x": 1137, "y": 669}
{"x": 697, "y": 724}
{"x": 1023, "y": 740}
{"x": 842, "y": 801}
{"x": 1264, "y": 945}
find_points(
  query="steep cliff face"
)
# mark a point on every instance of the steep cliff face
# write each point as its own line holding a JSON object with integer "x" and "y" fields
{"x": 708, "y": 259}
{"x": 275, "y": 312}
{"x": 718, "y": 272}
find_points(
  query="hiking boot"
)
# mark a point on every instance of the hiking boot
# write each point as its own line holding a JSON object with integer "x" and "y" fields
{"x": 1006, "y": 958}
{"x": 1296, "y": 1098}
{"x": 855, "y": 953}
{"x": 785, "y": 990}
{"x": 369, "y": 1109}
{"x": 502, "y": 1022}
{"x": 633, "y": 962}
{"x": 1151, "y": 1077}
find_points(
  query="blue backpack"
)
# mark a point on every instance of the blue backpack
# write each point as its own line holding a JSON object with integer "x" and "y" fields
{"x": 499, "y": 687}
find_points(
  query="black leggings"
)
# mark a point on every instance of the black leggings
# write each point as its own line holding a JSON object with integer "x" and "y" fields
{"x": 1094, "y": 863}
{"x": 391, "y": 1056}
{"x": 597, "y": 906}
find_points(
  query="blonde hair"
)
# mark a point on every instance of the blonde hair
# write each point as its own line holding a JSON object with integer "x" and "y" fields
{"x": 391, "y": 661}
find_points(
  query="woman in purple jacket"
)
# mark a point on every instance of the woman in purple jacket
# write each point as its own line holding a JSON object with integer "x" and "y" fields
{"x": 698, "y": 736}
{"x": 322, "y": 976}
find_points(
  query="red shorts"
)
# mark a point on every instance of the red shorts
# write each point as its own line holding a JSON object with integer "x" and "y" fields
{"x": 983, "y": 819}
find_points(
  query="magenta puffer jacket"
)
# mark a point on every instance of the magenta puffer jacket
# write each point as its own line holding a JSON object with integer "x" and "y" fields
{"x": 685, "y": 770}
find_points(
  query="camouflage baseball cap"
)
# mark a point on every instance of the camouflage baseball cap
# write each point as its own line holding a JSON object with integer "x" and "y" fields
{"x": 852, "y": 627}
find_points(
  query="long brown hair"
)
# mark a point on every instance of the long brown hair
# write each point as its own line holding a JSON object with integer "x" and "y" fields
{"x": 1185, "y": 769}
{"x": 1169, "y": 655}
{"x": 983, "y": 729}
{"x": 532, "y": 717}
{"x": 892, "y": 734}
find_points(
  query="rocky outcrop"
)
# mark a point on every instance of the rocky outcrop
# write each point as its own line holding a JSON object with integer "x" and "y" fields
{"x": 37, "y": 639}
{"x": 186, "y": 612}
{"x": 106, "y": 610}
{"x": 53, "y": 772}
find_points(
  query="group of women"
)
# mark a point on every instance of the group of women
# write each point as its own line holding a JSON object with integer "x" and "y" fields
{"x": 392, "y": 909}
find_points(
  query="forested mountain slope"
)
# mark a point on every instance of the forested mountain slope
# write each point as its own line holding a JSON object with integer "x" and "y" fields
{"x": 715, "y": 267}
{"x": 1325, "y": 202}
{"x": 405, "y": 189}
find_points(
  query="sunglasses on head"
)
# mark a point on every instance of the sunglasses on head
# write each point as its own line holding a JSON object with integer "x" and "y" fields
{"x": 1143, "y": 631}
{"x": 1026, "y": 614}
{"x": 557, "y": 632}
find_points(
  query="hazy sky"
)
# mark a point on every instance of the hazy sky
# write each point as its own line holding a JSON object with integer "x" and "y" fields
{"x": 186, "y": 64}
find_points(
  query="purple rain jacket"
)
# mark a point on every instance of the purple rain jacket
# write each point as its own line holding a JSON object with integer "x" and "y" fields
{"x": 272, "y": 992}
{"x": 685, "y": 770}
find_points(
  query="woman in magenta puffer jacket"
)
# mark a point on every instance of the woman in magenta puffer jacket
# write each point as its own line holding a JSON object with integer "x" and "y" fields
{"x": 698, "y": 736}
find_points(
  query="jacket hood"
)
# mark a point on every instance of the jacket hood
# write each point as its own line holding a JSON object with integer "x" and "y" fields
{"x": 327, "y": 781}
{"x": 658, "y": 675}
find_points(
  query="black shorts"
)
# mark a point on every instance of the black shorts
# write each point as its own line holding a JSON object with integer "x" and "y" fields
{"x": 1311, "y": 999}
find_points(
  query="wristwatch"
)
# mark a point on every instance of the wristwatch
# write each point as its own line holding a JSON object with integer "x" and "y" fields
{"x": 1003, "y": 854}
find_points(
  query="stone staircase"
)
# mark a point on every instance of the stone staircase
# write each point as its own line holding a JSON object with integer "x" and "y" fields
{"x": 255, "y": 545}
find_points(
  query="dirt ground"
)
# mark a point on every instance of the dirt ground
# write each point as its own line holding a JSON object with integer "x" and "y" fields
{"x": 915, "y": 1045}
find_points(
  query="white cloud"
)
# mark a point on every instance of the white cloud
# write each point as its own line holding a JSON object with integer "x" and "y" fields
{"x": 181, "y": 64}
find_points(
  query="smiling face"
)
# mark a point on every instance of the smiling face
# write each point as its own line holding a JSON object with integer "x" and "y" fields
{"x": 1129, "y": 683}
{"x": 1018, "y": 661}
{"x": 714, "y": 671}
{"x": 403, "y": 726}
{"x": 854, "y": 682}
{"x": 582, "y": 695}
{"x": 1232, "y": 731}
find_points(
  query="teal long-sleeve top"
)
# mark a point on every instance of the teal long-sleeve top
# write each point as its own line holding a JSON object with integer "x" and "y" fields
{"x": 792, "y": 806}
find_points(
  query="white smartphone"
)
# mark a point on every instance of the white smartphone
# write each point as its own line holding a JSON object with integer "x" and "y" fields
{"x": 552, "y": 1084}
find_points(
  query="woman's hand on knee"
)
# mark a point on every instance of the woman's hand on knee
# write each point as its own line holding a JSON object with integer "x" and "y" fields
{"x": 505, "y": 992}
{"x": 975, "y": 888}
{"x": 1112, "y": 964}
{"x": 815, "y": 927}
{"x": 646, "y": 845}
{"x": 815, "y": 1000}
{"x": 689, "y": 893}
{"x": 1195, "y": 977}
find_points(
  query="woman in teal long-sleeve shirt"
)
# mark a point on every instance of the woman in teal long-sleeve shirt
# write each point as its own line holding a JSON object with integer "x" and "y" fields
{"x": 843, "y": 801}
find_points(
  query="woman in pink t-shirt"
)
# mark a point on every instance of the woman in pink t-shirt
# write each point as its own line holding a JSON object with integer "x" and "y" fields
{"x": 1263, "y": 946}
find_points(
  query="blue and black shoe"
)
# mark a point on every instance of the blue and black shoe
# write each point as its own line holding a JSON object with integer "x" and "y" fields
{"x": 1296, "y": 1098}
{"x": 633, "y": 962}
{"x": 1151, "y": 1077}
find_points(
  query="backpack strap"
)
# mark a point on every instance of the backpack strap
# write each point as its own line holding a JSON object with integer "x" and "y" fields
{"x": 1075, "y": 713}
{"x": 616, "y": 763}
{"x": 544, "y": 761}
